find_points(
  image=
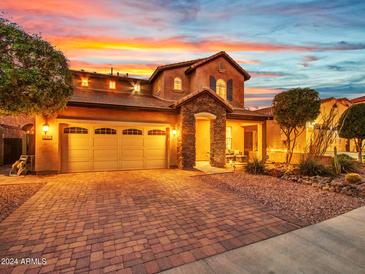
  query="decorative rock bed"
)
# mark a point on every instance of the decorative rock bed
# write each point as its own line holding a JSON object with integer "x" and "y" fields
{"x": 337, "y": 184}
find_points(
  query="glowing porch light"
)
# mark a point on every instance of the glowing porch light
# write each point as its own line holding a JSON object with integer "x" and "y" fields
{"x": 84, "y": 82}
{"x": 45, "y": 128}
{"x": 137, "y": 87}
{"x": 174, "y": 132}
{"x": 112, "y": 84}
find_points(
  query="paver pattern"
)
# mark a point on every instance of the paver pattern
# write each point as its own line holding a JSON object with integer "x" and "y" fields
{"x": 129, "y": 222}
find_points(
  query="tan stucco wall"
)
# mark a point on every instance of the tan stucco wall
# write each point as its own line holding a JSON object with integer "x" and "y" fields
{"x": 238, "y": 136}
{"x": 48, "y": 155}
{"x": 276, "y": 147}
{"x": 200, "y": 78}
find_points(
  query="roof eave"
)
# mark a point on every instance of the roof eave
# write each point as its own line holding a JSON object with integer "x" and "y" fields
{"x": 114, "y": 106}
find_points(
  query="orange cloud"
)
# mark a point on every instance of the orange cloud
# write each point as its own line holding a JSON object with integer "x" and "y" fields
{"x": 132, "y": 69}
{"x": 251, "y": 99}
{"x": 161, "y": 45}
{"x": 60, "y": 8}
{"x": 251, "y": 90}
{"x": 248, "y": 62}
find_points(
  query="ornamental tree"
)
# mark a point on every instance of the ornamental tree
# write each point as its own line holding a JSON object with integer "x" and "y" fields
{"x": 292, "y": 110}
{"x": 34, "y": 76}
{"x": 352, "y": 126}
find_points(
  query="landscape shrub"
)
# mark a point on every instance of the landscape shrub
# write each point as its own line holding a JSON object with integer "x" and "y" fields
{"x": 311, "y": 167}
{"x": 346, "y": 163}
{"x": 353, "y": 178}
{"x": 256, "y": 167}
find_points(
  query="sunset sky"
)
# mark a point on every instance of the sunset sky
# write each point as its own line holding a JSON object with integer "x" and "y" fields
{"x": 281, "y": 43}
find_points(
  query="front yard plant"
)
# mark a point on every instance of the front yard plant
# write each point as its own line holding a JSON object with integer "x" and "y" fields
{"x": 34, "y": 76}
{"x": 256, "y": 167}
{"x": 352, "y": 126}
{"x": 353, "y": 178}
{"x": 312, "y": 167}
{"x": 345, "y": 163}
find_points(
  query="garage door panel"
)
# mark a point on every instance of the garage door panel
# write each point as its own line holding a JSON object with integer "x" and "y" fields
{"x": 104, "y": 148}
{"x": 154, "y": 154}
{"x": 76, "y": 142}
{"x": 131, "y": 164}
{"x": 105, "y": 165}
{"x": 105, "y": 155}
{"x": 155, "y": 141}
{"x": 77, "y": 155}
{"x": 105, "y": 142}
{"x": 132, "y": 154}
{"x": 132, "y": 141}
{"x": 155, "y": 163}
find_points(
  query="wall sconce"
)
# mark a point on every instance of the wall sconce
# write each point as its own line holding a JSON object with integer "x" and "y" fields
{"x": 174, "y": 132}
{"x": 45, "y": 128}
{"x": 137, "y": 87}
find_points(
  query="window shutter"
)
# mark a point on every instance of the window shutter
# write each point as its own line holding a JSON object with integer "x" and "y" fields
{"x": 230, "y": 90}
{"x": 212, "y": 83}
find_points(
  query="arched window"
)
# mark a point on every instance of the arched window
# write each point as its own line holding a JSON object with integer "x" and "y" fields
{"x": 108, "y": 131}
{"x": 132, "y": 131}
{"x": 75, "y": 130}
{"x": 177, "y": 83}
{"x": 156, "y": 132}
{"x": 221, "y": 88}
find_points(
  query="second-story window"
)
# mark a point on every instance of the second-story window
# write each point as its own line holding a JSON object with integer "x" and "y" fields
{"x": 84, "y": 82}
{"x": 177, "y": 83}
{"x": 221, "y": 88}
{"x": 112, "y": 84}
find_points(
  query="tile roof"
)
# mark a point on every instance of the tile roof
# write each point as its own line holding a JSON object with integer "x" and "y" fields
{"x": 99, "y": 98}
{"x": 240, "y": 113}
{"x": 219, "y": 54}
{"x": 358, "y": 100}
{"x": 193, "y": 64}
{"x": 190, "y": 96}
{"x": 173, "y": 65}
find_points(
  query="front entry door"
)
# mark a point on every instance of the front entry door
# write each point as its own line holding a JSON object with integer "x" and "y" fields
{"x": 248, "y": 142}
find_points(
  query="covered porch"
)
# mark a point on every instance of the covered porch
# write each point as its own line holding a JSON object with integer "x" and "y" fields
{"x": 245, "y": 140}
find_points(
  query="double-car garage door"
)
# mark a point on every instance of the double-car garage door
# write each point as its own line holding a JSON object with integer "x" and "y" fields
{"x": 99, "y": 148}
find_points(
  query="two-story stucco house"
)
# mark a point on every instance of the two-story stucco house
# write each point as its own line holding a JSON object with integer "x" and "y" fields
{"x": 186, "y": 112}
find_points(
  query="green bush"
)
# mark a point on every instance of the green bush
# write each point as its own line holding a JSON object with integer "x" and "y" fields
{"x": 255, "y": 167}
{"x": 311, "y": 167}
{"x": 346, "y": 163}
{"x": 353, "y": 178}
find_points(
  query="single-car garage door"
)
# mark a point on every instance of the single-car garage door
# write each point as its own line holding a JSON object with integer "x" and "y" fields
{"x": 88, "y": 147}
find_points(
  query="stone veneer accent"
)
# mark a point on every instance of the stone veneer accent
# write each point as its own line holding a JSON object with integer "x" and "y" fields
{"x": 186, "y": 140}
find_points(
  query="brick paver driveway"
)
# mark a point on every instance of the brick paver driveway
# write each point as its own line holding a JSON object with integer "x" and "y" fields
{"x": 129, "y": 222}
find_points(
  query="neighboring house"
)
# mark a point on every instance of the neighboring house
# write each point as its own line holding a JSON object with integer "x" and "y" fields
{"x": 186, "y": 112}
{"x": 16, "y": 138}
{"x": 276, "y": 147}
{"x": 358, "y": 100}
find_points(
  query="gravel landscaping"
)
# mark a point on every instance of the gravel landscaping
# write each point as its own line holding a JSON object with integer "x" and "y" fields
{"x": 13, "y": 196}
{"x": 298, "y": 203}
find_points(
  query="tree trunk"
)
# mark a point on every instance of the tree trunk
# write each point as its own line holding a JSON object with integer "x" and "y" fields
{"x": 359, "y": 149}
{"x": 287, "y": 160}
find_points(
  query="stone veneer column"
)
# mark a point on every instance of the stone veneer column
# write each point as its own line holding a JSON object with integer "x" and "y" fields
{"x": 186, "y": 142}
{"x": 218, "y": 141}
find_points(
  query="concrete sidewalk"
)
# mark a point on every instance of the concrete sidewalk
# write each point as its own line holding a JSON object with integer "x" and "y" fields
{"x": 333, "y": 246}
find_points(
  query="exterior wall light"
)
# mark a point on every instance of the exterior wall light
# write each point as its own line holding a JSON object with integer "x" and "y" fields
{"x": 137, "y": 87}
{"x": 84, "y": 82}
{"x": 174, "y": 132}
{"x": 45, "y": 128}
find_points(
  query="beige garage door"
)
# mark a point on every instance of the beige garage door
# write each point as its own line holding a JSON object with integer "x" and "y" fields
{"x": 86, "y": 148}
